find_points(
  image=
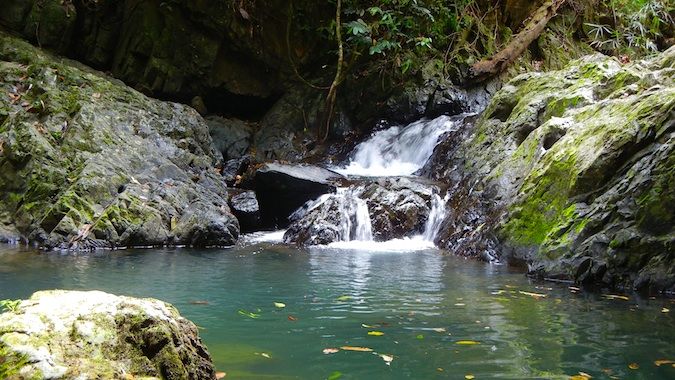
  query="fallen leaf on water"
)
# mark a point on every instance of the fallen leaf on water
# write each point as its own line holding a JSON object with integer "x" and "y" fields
{"x": 220, "y": 375}
{"x": 469, "y": 376}
{"x": 354, "y": 348}
{"x": 420, "y": 336}
{"x": 460, "y": 304}
{"x": 633, "y": 366}
{"x": 344, "y": 298}
{"x": 330, "y": 350}
{"x": 467, "y": 342}
{"x": 365, "y": 326}
{"x": 375, "y": 333}
{"x": 334, "y": 376}
{"x": 439, "y": 369}
{"x": 387, "y": 358}
{"x": 661, "y": 362}
{"x": 665, "y": 310}
{"x": 535, "y": 295}
{"x": 266, "y": 355}
{"x": 279, "y": 305}
{"x": 439, "y": 329}
{"x": 292, "y": 318}
{"x": 580, "y": 376}
{"x": 574, "y": 288}
{"x": 248, "y": 314}
{"x": 615, "y": 297}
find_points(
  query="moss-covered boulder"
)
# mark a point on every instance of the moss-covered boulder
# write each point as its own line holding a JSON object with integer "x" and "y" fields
{"x": 578, "y": 164}
{"x": 61, "y": 334}
{"x": 87, "y": 162}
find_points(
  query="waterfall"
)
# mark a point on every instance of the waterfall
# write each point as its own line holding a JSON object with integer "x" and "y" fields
{"x": 364, "y": 230}
{"x": 436, "y": 217}
{"x": 399, "y": 151}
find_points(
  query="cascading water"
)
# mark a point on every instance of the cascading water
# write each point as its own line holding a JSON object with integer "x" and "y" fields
{"x": 398, "y": 151}
{"x": 436, "y": 217}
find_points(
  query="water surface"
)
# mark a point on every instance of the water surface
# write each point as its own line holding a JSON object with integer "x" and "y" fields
{"x": 424, "y": 303}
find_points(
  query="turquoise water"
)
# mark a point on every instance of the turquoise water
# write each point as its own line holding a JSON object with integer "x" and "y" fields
{"x": 424, "y": 303}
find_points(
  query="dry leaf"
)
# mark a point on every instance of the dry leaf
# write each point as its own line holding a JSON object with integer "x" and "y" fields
{"x": 665, "y": 310}
{"x": 633, "y": 366}
{"x": 292, "y": 318}
{"x": 535, "y": 295}
{"x": 469, "y": 376}
{"x": 279, "y": 305}
{"x": 661, "y": 362}
{"x": 359, "y": 349}
{"x": 220, "y": 375}
{"x": 375, "y": 333}
{"x": 615, "y": 297}
{"x": 330, "y": 350}
{"x": 439, "y": 329}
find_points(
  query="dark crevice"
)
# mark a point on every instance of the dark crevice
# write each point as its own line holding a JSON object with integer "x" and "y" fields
{"x": 246, "y": 107}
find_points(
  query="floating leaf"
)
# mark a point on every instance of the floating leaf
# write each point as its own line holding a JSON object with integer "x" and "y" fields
{"x": 665, "y": 310}
{"x": 467, "y": 342}
{"x": 633, "y": 366}
{"x": 535, "y": 295}
{"x": 220, "y": 375}
{"x": 420, "y": 337}
{"x": 469, "y": 376}
{"x": 344, "y": 298}
{"x": 439, "y": 369}
{"x": 359, "y": 349}
{"x": 292, "y": 318}
{"x": 615, "y": 297}
{"x": 279, "y": 305}
{"x": 248, "y": 314}
{"x": 387, "y": 358}
{"x": 439, "y": 329}
{"x": 266, "y": 355}
{"x": 581, "y": 376}
{"x": 375, "y": 333}
{"x": 330, "y": 350}
{"x": 460, "y": 304}
{"x": 334, "y": 375}
{"x": 661, "y": 362}
{"x": 368, "y": 326}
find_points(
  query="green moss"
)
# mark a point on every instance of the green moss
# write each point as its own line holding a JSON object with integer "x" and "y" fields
{"x": 545, "y": 204}
{"x": 10, "y": 362}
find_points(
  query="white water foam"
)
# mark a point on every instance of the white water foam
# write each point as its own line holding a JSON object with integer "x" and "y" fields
{"x": 398, "y": 151}
{"x": 264, "y": 237}
{"x": 415, "y": 243}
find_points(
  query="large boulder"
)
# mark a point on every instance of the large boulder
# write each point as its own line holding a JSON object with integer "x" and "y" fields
{"x": 86, "y": 162}
{"x": 61, "y": 334}
{"x": 245, "y": 207}
{"x": 577, "y": 167}
{"x": 283, "y": 188}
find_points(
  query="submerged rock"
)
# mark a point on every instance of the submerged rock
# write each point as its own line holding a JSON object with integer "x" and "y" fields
{"x": 283, "y": 188}
{"x": 86, "y": 162}
{"x": 61, "y": 334}
{"x": 577, "y": 165}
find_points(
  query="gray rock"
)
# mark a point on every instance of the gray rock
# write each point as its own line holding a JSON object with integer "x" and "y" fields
{"x": 89, "y": 163}
{"x": 245, "y": 207}
{"x": 60, "y": 334}
{"x": 282, "y": 188}
{"x": 231, "y": 137}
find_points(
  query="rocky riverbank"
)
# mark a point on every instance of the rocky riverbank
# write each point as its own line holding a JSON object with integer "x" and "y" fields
{"x": 572, "y": 172}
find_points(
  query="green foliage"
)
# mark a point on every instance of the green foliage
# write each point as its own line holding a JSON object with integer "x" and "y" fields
{"x": 630, "y": 26}
{"x": 10, "y": 305}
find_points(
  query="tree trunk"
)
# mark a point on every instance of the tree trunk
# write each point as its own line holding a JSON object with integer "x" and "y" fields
{"x": 329, "y": 109}
{"x": 499, "y": 62}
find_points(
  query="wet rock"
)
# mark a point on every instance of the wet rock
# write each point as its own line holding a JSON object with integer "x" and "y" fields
{"x": 61, "y": 334}
{"x": 571, "y": 170}
{"x": 245, "y": 207}
{"x": 235, "y": 168}
{"x": 89, "y": 163}
{"x": 282, "y": 188}
{"x": 396, "y": 208}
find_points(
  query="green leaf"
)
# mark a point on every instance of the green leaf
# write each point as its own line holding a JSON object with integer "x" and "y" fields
{"x": 279, "y": 305}
{"x": 248, "y": 314}
{"x": 335, "y": 375}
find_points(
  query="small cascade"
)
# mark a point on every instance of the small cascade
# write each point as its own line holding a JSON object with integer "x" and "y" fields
{"x": 398, "y": 151}
{"x": 436, "y": 217}
{"x": 364, "y": 229}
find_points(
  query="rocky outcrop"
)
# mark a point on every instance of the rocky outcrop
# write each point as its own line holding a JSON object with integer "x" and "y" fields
{"x": 245, "y": 207}
{"x": 392, "y": 208}
{"x": 87, "y": 162}
{"x": 576, "y": 167}
{"x": 94, "y": 335}
{"x": 283, "y": 188}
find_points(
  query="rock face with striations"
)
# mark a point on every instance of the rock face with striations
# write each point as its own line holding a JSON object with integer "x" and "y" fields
{"x": 577, "y": 167}
{"x": 94, "y": 335}
{"x": 87, "y": 162}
